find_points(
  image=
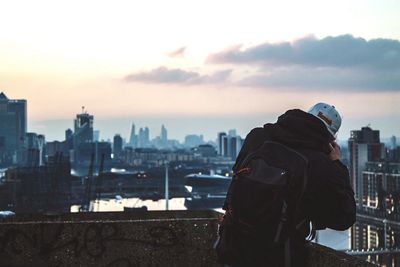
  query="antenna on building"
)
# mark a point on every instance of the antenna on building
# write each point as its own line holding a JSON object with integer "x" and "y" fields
{"x": 83, "y": 109}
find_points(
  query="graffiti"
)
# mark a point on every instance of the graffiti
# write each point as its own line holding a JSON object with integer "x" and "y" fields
{"x": 107, "y": 243}
{"x": 93, "y": 240}
{"x": 123, "y": 262}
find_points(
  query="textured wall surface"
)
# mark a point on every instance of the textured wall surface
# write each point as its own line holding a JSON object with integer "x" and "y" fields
{"x": 175, "y": 238}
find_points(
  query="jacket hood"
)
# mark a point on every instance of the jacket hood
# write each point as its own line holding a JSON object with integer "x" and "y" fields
{"x": 298, "y": 129}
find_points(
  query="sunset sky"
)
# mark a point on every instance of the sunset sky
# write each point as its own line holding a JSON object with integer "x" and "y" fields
{"x": 200, "y": 67}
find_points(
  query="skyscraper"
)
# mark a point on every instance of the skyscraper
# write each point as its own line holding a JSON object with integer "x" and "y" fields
{"x": 83, "y": 136}
{"x": 83, "y": 130}
{"x": 144, "y": 137}
{"x": 13, "y": 127}
{"x": 133, "y": 139}
{"x": 364, "y": 146}
{"x": 229, "y": 145}
{"x": 164, "y": 135}
{"x": 117, "y": 146}
{"x": 220, "y": 143}
{"x": 147, "y": 136}
{"x": 96, "y": 135}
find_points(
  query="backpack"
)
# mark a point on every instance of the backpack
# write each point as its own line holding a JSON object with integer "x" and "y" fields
{"x": 263, "y": 207}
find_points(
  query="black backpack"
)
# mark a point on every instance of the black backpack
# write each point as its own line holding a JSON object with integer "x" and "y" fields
{"x": 263, "y": 207}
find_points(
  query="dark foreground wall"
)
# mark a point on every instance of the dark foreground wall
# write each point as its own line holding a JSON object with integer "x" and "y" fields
{"x": 176, "y": 238}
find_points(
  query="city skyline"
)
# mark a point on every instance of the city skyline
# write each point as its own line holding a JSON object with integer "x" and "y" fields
{"x": 201, "y": 67}
{"x": 107, "y": 129}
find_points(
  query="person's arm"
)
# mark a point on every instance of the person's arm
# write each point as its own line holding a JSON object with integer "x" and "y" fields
{"x": 341, "y": 205}
{"x": 337, "y": 207}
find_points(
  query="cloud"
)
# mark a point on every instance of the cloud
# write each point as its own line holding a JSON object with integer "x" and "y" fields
{"x": 180, "y": 52}
{"x": 341, "y": 63}
{"x": 178, "y": 76}
{"x": 340, "y": 51}
{"x": 316, "y": 79}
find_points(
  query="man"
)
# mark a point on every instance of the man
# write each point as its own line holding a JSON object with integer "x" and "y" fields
{"x": 328, "y": 201}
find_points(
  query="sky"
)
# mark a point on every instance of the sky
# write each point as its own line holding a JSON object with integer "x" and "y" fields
{"x": 200, "y": 67}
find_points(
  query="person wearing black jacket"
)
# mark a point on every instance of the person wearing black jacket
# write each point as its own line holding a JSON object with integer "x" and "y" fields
{"x": 328, "y": 199}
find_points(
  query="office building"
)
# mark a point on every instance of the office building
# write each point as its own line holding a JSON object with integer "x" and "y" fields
{"x": 117, "y": 146}
{"x": 193, "y": 140}
{"x": 83, "y": 135}
{"x": 229, "y": 145}
{"x": 364, "y": 146}
{"x": 133, "y": 139}
{"x": 13, "y": 127}
{"x": 220, "y": 142}
{"x": 143, "y": 137}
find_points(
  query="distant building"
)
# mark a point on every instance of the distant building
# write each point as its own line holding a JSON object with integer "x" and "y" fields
{"x": 229, "y": 145}
{"x": 381, "y": 181}
{"x": 393, "y": 142}
{"x": 206, "y": 151}
{"x": 83, "y": 135}
{"x": 393, "y": 155}
{"x": 133, "y": 139}
{"x": 96, "y": 135}
{"x": 117, "y": 146}
{"x": 13, "y": 127}
{"x": 83, "y": 131}
{"x": 98, "y": 149}
{"x": 193, "y": 140}
{"x": 56, "y": 147}
{"x": 164, "y": 136}
{"x": 69, "y": 134}
{"x": 220, "y": 142}
{"x": 382, "y": 186}
{"x": 35, "y": 150}
{"x": 144, "y": 138}
{"x": 364, "y": 146}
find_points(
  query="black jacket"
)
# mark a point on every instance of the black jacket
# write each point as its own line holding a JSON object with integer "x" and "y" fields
{"x": 329, "y": 199}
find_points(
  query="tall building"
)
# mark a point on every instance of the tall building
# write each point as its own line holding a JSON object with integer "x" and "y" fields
{"x": 364, "y": 146}
{"x": 382, "y": 186}
{"x": 143, "y": 137}
{"x": 133, "y": 139}
{"x": 117, "y": 146}
{"x": 13, "y": 127}
{"x": 193, "y": 140}
{"x": 220, "y": 143}
{"x": 393, "y": 142}
{"x": 147, "y": 136}
{"x": 96, "y": 135}
{"x": 83, "y": 134}
{"x": 229, "y": 145}
{"x": 232, "y": 132}
{"x": 164, "y": 134}
{"x": 83, "y": 130}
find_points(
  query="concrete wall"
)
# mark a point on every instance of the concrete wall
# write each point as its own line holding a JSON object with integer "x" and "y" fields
{"x": 178, "y": 238}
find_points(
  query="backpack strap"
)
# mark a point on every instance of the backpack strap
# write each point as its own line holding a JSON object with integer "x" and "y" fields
{"x": 288, "y": 256}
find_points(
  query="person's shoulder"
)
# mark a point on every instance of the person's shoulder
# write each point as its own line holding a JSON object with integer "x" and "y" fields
{"x": 316, "y": 158}
{"x": 256, "y": 133}
{"x": 314, "y": 155}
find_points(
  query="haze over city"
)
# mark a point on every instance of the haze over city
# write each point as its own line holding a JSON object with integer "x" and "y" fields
{"x": 200, "y": 67}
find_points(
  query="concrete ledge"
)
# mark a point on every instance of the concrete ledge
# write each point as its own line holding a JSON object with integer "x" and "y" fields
{"x": 323, "y": 256}
{"x": 174, "y": 238}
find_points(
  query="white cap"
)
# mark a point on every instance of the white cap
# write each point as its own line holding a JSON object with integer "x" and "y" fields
{"x": 328, "y": 115}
